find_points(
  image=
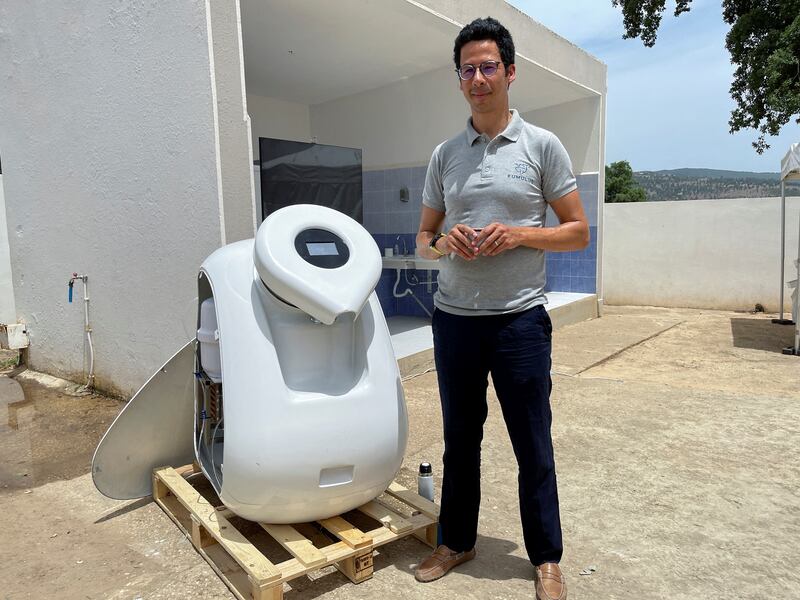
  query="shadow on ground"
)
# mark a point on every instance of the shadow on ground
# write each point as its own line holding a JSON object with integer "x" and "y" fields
{"x": 404, "y": 555}
{"x": 46, "y": 434}
{"x": 761, "y": 334}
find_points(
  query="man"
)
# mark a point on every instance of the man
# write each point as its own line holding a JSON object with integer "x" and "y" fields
{"x": 486, "y": 193}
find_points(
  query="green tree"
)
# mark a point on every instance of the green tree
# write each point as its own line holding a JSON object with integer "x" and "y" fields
{"x": 620, "y": 184}
{"x": 764, "y": 43}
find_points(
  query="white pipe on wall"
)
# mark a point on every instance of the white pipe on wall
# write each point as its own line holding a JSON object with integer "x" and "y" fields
{"x": 87, "y": 328}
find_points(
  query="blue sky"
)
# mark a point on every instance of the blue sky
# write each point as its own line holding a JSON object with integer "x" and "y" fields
{"x": 668, "y": 106}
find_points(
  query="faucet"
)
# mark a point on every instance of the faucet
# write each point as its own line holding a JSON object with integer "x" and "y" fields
{"x": 398, "y": 239}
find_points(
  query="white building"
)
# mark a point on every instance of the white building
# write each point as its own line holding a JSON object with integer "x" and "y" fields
{"x": 128, "y": 134}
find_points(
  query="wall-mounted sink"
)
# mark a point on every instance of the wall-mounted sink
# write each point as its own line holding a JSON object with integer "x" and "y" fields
{"x": 409, "y": 261}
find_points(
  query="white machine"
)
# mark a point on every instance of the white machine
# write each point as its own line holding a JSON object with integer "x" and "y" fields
{"x": 293, "y": 406}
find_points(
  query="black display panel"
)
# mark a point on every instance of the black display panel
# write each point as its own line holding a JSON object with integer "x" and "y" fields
{"x": 322, "y": 248}
{"x": 307, "y": 173}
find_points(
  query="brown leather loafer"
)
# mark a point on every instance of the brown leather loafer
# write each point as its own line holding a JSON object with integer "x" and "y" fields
{"x": 440, "y": 562}
{"x": 550, "y": 584}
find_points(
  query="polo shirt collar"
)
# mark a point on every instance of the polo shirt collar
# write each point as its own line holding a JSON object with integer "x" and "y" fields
{"x": 514, "y": 127}
{"x": 472, "y": 135}
{"x": 511, "y": 132}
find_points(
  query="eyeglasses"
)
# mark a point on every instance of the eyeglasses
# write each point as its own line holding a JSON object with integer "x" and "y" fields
{"x": 487, "y": 67}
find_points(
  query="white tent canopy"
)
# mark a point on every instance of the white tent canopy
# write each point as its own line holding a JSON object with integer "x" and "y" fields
{"x": 790, "y": 169}
{"x": 790, "y": 164}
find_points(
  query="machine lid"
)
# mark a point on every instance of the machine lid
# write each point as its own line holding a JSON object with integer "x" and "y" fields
{"x": 317, "y": 259}
{"x": 153, "y": 430}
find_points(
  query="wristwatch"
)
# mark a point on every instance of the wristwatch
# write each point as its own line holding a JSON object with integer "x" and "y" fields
{"x": 435, "y": 239}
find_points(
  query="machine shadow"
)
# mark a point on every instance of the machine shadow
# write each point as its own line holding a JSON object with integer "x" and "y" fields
{"x": 123, "y": 510}
{"x": 761, "y": 334}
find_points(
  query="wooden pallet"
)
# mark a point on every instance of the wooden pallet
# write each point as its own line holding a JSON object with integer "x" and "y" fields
{"x": 244, "y": 557}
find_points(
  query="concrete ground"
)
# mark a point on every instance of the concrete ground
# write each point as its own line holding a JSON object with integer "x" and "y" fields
{"x": 676, "y": 435}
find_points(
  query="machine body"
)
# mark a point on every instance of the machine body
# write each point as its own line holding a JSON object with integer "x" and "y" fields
{"x": 299, "y": 411}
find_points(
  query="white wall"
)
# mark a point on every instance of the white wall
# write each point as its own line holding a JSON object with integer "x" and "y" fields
{"x": 393, "y": 124}
{"x": 721, "y": 254}
{"x": 278, "y": 119}
{"x": 8, "y": 310}
{"x": 531, "y": 39}
{"x": 232, "y": 123}
{"x": 398, "y": 124}
{"x": 577, "y": 125}
{"x": 110, "y": 168}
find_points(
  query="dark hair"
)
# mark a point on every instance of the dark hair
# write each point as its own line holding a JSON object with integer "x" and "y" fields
{"x": 485, "y": 29}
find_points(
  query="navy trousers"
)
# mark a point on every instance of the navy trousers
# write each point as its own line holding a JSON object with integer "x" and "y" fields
{"x": 515, "y": 349}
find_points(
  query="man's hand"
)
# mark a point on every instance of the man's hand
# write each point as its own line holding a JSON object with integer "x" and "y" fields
{"x": 460, "y": 239}
{"x": 572, "y": 232}
{"x": 495, "y": 239}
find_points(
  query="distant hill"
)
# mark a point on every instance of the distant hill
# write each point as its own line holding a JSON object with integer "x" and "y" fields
{"x": 695, "y": 184}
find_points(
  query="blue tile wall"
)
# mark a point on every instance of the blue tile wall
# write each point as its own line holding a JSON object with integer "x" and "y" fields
{"x": 587, "y": 187}
{"x": 406, "y": 305}
{"x": 393, "y": 222}
{"x": 576, "y": 271}
{"x": 573, "y": 271}
{"x": 384, "y": 211}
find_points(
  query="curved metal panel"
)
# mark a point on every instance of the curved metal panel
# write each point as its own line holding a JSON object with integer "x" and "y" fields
{"x": 153, "y": 430}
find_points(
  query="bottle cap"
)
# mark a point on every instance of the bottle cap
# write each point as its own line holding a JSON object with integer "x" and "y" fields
{"x": 425, "y": 468}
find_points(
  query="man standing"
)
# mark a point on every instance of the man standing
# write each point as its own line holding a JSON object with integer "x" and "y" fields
{"x": 484, "y": 202}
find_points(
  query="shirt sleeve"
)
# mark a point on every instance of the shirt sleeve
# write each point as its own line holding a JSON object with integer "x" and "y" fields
{"x": 433, "y": 192}
{"x": 558, "y": 179}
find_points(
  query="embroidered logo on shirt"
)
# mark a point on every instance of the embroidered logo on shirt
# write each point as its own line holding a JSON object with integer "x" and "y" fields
{"x": 521, "y": 167}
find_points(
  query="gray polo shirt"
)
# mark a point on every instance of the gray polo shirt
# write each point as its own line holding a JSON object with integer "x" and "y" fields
{"x": 510, "y": 180}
